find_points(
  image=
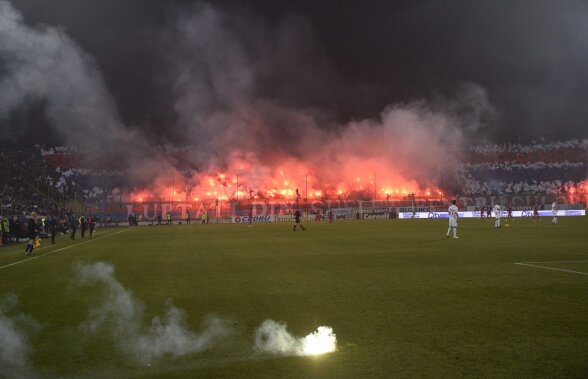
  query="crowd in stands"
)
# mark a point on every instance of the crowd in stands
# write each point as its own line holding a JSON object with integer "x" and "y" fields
{"x": 573, "y": 149}
{"x": 34, "y": 177}
{"x": 24, "y": 175}
{"x": 557, "y": 167}
{"x": 30, "y": 183}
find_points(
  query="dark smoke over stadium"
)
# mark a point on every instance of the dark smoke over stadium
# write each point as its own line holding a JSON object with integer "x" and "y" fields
{"x": 243, "y": 105}
{"x": 293, "y": 189}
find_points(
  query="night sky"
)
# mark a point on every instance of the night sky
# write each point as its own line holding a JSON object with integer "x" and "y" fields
{"x": 348, "y": 61}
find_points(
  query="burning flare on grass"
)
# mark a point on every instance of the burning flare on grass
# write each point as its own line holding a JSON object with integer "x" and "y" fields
{"x": 320, "y": 342}
{"x": 273, "y": 337}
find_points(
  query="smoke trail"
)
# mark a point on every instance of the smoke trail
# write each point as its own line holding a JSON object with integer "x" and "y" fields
{"x": 234, "y": 99}
{"x": 273, "y": 337}
{"x": 122, "y": 316}
{"x": 253, "y": 98}
{"x": 15, "y": 350}
{"x": 43, "y": 64}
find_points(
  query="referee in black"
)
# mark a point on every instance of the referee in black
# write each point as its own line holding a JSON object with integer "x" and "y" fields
{"x": 31, "y": 233}
{"x": 297, "y": 216}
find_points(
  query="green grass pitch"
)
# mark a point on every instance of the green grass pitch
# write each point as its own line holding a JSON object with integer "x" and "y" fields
{"x": 403, "y": 300}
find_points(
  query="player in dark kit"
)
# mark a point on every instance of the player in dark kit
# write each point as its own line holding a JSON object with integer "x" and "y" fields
{"x": 297, "y": 216}
{"x": 31, "y": 233}
{"x": 92, "y": 224}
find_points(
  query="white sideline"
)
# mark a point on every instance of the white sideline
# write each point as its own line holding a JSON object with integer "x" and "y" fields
{"x": 63, "y": 248}
{"x": 554, "y": 262}
{"x": 553, "y": 268}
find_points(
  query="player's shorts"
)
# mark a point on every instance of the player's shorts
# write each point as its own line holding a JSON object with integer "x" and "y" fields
{"x": 452, "y": 223}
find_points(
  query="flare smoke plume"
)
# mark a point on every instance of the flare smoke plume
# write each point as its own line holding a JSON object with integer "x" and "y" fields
{"x": 43, "y": 64}
{"x": 122, "y": 316}
{"x": 249, "y": 98}
{"x": 15, "y": 349}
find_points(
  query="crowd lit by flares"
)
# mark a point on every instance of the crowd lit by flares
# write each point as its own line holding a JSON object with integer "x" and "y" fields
{"x": 281, "y": 184}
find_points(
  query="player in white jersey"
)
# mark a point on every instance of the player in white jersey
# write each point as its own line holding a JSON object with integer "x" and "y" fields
{"x": 453, "y": 214}
{"x": 497, "y": 214}
{"x": 554, "y": 212}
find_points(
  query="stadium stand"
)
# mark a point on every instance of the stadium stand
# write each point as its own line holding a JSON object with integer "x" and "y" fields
{"x": 56, "y": 180}
{"x": 29, "y": 184}
{"x": 549, "y": 168}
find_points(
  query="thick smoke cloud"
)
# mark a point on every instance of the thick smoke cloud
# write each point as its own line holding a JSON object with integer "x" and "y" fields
{"x": 43, "y": 64}
{"x": 122, "y": 316}
{"x": 15, "y": 348}
{"x": 528, "y": 54}
{"x": 226, "y": 67}
{"x": 254, "y": 98}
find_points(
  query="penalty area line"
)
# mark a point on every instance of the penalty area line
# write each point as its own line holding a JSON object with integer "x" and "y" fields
{"x": 553, "y": 268}
{"x": 61, "y": 249}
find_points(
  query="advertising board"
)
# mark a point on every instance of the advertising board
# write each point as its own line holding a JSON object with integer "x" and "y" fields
{"x": 476, "y": 214}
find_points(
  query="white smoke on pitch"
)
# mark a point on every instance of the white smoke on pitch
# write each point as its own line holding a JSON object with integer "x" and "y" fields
{"x": 122, "y": 315}
{"x": 273, "y": 337}
{"x": 15, "y": 349}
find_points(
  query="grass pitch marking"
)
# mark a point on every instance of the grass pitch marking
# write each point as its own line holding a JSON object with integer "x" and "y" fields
{"x": 530, "y": 264}
{"x": 61, "y": 249}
